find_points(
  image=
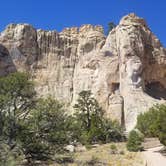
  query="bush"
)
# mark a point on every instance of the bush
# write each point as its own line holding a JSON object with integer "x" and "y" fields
{"x": 10, "y": 157}
{"x": 153, "y": 123}
{"x": 89, "y": 117}
{"x": 114, "y": 149}
{"x": 91, "y": 123}
{"x": 134, "y": 142}
{"x": 44, "y": 132}
{"x": 112, "y": 131}
{"x": 147, "y": 122}
{"x": 161, "y": 124}
{"x": 111, "y": 26}
{"x": 37, "y": 129}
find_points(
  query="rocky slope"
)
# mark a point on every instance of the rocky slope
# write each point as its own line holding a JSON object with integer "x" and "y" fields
{"x": 126, "y": 71}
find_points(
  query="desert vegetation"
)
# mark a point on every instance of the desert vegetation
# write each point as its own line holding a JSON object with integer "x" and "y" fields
{"x": 38, "y": 129}
{"x": 135, "y": 140}
{"x": 34, "y": 129}
{"x": 111, "y": 26}
{"x": 149, "y": 124}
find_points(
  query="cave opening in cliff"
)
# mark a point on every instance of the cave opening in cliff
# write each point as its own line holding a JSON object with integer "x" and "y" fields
{"x": 156, "y": 90}
{"x": 115, "y": 87}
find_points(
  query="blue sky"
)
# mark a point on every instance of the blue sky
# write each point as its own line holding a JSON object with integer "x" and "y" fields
{"x": 57, "y": 14}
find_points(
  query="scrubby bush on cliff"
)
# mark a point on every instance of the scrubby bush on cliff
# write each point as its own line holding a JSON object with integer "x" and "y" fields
{"x": 93, "y": 126}
{"x": 135, "y": 140}
{"x": 111, "y": 26}
{"x": 153, "y": 123}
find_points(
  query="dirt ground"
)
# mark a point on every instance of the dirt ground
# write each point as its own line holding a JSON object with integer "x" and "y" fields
{"x": 153, "y": 157}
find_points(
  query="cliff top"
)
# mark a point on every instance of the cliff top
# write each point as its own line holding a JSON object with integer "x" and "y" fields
{"x": 130, "y": 19}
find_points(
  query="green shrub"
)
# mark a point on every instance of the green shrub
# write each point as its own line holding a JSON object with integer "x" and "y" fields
{"x": 161, "y": 124}
{"x": 38, "y": 129}
{"x": 111, "y": 26}
{"x": 10, "y": 157}
{"x": 112, "y": 131}
{"x": 44, "y": 132}
{"x": 134, "y": 142}
{"x": 17, "y": 97}
{"x": 147, "y": 122}
{"x": 93, "y": 127}
{"x": 153, "y": 123}
{"x": 114, "y": 149}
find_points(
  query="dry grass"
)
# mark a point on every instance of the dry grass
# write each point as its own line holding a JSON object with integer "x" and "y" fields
{"x": 103, "y": 156}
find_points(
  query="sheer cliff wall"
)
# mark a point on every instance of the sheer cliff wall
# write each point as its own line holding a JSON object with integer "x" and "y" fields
{"x": 126, "y": 71}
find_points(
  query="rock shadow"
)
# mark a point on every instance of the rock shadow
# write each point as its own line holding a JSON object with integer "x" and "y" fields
{"x": 6, "y": 62}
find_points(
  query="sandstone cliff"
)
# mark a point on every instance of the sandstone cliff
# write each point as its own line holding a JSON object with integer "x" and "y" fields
{"x": 125, "y": 71}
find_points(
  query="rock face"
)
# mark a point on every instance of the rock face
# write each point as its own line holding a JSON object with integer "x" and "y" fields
{"x": 126, "y": 71}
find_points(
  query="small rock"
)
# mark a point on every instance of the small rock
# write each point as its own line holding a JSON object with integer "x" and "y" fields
{"x": 70, "y": 148}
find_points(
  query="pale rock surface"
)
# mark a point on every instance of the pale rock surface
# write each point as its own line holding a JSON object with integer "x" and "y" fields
{"x": 70, "y": 148}
{"x": 126, "y": 71}
{"x": 139, "y": 66}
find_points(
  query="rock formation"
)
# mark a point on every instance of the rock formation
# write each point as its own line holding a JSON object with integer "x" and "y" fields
{"x": 125, "y": 71}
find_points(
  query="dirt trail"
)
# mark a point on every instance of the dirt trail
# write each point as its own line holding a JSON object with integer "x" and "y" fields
{"x": 154, "y": 158}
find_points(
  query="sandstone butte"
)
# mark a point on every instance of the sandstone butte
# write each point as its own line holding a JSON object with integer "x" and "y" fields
{"x": 126, "y": 71}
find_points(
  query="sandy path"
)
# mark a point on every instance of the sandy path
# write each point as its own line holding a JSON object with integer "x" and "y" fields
{"x": 154, "y": 158}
